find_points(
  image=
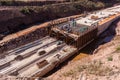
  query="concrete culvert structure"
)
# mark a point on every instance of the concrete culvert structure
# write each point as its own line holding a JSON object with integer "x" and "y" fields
{"x": 42, "y": 64}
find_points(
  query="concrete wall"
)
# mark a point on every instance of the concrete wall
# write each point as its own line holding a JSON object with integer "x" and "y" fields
{"x": 104, "y": 26}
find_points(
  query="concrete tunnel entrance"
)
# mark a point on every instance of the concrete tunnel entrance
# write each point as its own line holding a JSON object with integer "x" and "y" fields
{"x": 78, "y": 41}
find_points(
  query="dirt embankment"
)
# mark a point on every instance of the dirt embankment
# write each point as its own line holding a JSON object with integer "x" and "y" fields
{"x": 13, "y": 20}
{"x": 17, "y": 18}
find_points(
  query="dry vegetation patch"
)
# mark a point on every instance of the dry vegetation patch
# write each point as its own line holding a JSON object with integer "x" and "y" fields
{"x": 95, "y": 68}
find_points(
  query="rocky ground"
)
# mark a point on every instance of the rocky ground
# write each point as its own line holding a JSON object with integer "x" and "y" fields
{"x": 104, "y": 64}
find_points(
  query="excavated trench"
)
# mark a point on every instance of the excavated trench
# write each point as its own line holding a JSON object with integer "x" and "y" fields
{"x": 104, "y": 38}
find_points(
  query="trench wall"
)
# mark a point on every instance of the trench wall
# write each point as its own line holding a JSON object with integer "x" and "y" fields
{"x": 16, "y": 18}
